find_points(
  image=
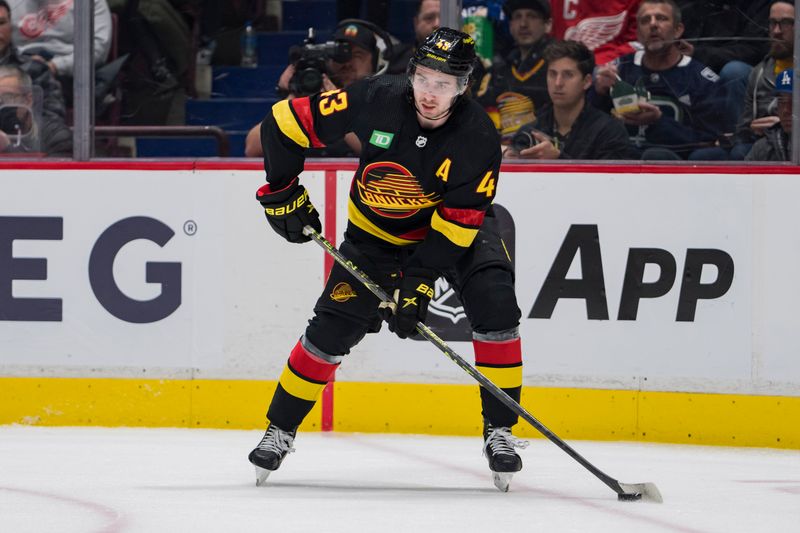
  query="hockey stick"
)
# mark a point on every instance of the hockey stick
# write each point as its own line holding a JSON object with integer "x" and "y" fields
{"x": 625, "y": 491}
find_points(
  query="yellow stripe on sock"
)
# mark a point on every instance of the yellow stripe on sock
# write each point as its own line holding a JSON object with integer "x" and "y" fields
{"x": 297, "y": 386}
{"x": 505, "y": 377}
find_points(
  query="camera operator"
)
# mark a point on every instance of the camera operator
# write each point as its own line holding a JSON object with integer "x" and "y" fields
{"x": 568, "y": 128}
{"x": 354, "y": 56}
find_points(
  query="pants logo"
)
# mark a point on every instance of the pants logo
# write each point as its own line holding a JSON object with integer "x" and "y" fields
{"x": 342, "y": 292}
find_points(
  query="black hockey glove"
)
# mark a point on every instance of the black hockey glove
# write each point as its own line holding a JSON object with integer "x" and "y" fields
{"x": 289, "y": 210}
{"x": 411, "y": 302}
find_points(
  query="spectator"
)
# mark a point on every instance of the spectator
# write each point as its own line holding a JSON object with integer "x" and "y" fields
{"x": 45, "y": 29}
{"x": 606, "y": 27}
{"x": 726, "y": 36}
{"x": 55, "y": 136}
{"x": 514, "y": 88}
{"x": 776, "y": 143}
{"x": 568, "y": 128}
{"x": 362, "y": 63}
{"x": 682, "y": 111}
{"x": 759, "y": 112}
{"x": 426, "y": 20}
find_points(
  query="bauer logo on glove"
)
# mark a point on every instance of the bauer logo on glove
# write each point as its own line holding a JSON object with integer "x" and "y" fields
{"x": 426, "y": 290}
{"x": 284, "y": 210}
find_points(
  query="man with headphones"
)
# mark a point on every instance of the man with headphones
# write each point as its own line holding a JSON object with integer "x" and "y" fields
{"x": 363, "y": 62}
{"x": 420, "y": 207}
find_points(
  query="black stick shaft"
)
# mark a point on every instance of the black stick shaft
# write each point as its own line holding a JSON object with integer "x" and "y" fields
{"x": 498, "y": 393}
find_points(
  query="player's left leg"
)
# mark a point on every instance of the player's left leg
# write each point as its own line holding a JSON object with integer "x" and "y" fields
{"x": 485, "y": 281}
{"x": 489, "y": 300}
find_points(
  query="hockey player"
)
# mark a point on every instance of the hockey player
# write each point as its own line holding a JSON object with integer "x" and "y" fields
{"x": 419, "y": 208}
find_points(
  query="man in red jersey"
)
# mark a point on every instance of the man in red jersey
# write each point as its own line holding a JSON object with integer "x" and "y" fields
{"x": 606, "y": 27}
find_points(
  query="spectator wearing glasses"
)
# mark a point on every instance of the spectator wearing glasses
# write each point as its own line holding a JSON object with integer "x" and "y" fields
{"x": 760, "y": 104}
{"x": 54, "y": 137}
{"x": 45, "y": 29}
{"x": 515, "y": 88}
{"x": 776, "y": 143}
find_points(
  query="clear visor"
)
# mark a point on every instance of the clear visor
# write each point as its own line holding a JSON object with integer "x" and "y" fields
{"x": 425, "y": 80}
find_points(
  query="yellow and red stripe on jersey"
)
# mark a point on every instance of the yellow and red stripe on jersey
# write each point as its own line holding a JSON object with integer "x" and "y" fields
{"x": 305, "y": 375}
{"x": 460, "y": 226}
{"x": 295, "y": 120}
{"x": 362, "y": 222}
{"x": 500, "y": 361}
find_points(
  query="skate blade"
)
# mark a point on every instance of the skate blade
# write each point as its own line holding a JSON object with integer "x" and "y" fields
{"x": 261, "y": 475}
{"x": 502, "y": 480}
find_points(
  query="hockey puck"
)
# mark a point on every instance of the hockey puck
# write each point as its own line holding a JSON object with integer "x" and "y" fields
{"x": 625, "y": 497}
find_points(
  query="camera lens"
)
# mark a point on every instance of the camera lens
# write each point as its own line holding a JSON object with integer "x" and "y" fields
{"x": 309, "y": 81}
{"x": 522, "y": 140}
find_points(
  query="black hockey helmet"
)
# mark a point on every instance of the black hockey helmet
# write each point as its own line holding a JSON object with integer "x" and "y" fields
{"x": 446, "y": 50}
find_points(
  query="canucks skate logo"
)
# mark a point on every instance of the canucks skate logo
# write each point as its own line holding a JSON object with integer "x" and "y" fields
{"x": 391, "y": 191}
{"x": 445, "y": 303}
{"x": 421, "y": 141}
{"x": 342, "y": 292}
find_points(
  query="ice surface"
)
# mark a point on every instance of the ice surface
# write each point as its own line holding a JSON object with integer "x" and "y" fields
{"x": 152, "y": 480}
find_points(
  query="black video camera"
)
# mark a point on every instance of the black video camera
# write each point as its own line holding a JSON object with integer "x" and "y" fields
{"x": 309, "y": 62}
{"x": 10, "y": 122}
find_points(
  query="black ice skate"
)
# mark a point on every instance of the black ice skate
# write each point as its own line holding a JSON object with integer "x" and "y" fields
{"x": 268, "y": 455}
{"x": 498, "y": 447}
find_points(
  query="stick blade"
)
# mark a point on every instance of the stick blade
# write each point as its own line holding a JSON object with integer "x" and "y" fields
{"x": 640, "y": 491}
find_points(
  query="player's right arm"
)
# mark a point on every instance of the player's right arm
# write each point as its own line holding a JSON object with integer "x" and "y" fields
{"x": 296, "y": 125}
{"x": 292, "y": 127}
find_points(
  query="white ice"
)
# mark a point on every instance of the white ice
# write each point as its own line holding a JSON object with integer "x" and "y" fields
{"x": 175, "y": 480}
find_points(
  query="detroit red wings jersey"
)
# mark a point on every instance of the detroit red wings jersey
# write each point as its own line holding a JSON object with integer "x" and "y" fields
{"x": 607, "y": 27}
{"x": 412, "y": 185}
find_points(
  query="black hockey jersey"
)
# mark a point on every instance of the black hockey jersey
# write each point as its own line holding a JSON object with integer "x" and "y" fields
{"x": 413, "y": 185}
